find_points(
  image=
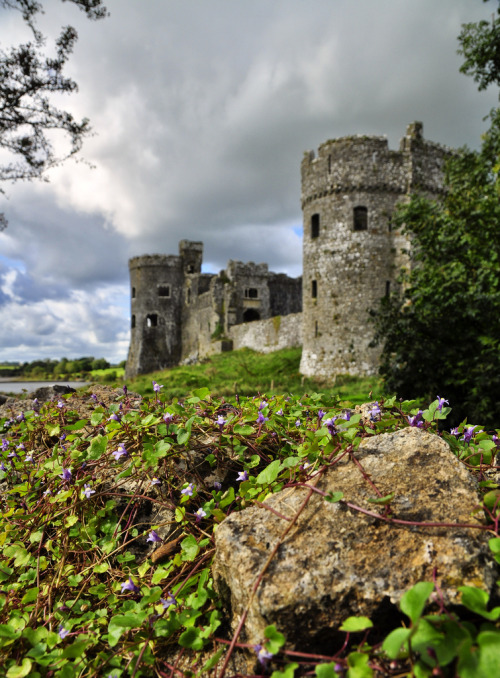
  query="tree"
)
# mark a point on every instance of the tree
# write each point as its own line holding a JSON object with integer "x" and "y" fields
{"x": 441, "y": 336}
{"x": 27, "y": 80}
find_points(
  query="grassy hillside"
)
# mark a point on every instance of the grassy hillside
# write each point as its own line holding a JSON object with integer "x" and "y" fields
{"x": 246, "y": 372}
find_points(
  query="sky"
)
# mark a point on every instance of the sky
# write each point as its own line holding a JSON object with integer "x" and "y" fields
{"x": 201, "y": 112}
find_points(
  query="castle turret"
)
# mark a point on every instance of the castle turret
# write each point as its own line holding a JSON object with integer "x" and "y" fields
{"x": 157, "y": 298}
{"x": 351, "y": 256}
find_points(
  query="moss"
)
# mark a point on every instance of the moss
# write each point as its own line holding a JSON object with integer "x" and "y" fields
{"x": 277, "y": 323}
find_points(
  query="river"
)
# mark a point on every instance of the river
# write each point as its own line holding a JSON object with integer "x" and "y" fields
{"x": 7, "y": 386}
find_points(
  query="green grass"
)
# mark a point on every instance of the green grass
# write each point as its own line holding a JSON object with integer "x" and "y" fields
{"x": 246, "y": 372}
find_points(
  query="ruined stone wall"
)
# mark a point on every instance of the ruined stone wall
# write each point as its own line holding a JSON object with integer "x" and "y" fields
{"x": 268, "y": 335}
{"x": 351, "y": 256}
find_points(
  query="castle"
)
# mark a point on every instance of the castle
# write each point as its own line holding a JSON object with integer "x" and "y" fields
{"x": 351, "y": 258}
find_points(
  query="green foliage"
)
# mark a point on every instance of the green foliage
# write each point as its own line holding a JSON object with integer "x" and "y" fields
{"x": 81, "y": 594}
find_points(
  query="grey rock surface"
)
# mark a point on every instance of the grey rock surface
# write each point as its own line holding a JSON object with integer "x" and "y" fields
{"x": 336, "y": 561}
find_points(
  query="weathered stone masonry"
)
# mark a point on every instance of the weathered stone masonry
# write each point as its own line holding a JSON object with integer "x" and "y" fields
{"x": 351, "y": 259}
{"x": 351, "y": 255}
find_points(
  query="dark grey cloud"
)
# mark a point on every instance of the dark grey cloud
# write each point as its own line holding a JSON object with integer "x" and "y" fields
{"x": 202, "y": 112}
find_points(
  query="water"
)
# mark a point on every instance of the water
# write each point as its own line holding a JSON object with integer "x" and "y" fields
{"x": 7, "y": 386}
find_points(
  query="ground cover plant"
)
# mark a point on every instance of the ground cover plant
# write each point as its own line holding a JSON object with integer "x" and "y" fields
{"x": 107, "y": 535}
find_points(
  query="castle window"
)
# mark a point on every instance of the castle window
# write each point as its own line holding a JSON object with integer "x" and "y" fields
{"x": 188, "y": 296}
{"x": 314, "y": 289}
{"x": 132, "y": 323}
{"x": 360, "y": 218}
{"x": 163, "y": 290}
{"x": 251, "y": 293}
{"x": 250, "y": 314}
{"x": 315, "y": 226}
{"x": 316, "y": 328}
{"x": 151, "y": 320}
{"x": 329, "y": 164}
{"x": 387, "y": 288}
{"x": 190, "y": 268}
{"x": 133, "y": 292}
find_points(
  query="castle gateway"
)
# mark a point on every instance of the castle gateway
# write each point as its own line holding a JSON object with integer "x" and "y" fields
{"x": 351, "y": 258}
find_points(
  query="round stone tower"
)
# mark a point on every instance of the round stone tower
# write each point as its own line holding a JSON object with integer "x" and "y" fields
{"x": 351, "y": 257}
{"x": 157, "y": 298}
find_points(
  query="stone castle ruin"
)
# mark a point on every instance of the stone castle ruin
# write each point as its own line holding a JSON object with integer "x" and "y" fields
{"x": 351, "y": 258}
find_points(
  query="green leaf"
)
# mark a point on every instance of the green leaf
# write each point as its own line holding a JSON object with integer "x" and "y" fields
{"x": 102, "y": 567}
{"x": 489, "y": 654}
{"x": 326, "y": 671}
{"x": 183, "y": 435}
{"x": 275, "y": 639}
{"x": 477, "y": 600}
{"x": 30, "y": 595}
{"x": 358, "y": 666}
{"x": 190, "y": 548}
{"x": 97, "y": 447}
{"x": 202, "y": 393}
{"x": 120, "y": 623}
{"x": 243, "y": 430}
{"x": 354, "y": 624}
{"x": 77, "y": 426}
{"x": 288, "y": 671}
{"x": 96, "y": 418}
{"x": 20, "y": 671}
{"x": 191, "y": 638}
{"x": 210, "y": 663}
{"x": 413, "y": 601}
{"x": 270, "y": 473}
{"x": 334, "y": 497}
{"x": 382, "y": 500}
{"x": 53, "y": 429}
{"x": 76, "y": 649}
{"x": 395, "y": 641}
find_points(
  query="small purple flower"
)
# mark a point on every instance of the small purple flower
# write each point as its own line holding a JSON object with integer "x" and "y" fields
{"x": 168, "y": 418}
{"x": 12, "y": 454}
{"x": 5, "y": 444}
{"x": 200, "y": 513}
{"x": 375, "y": 411}
{"x": 62, "y": 632}
{"x": 120, "y": 452}
{"x": 66, "y": 474}
{"x": 2, "y": 466}
{"x": 263, "y": 655}
{"x": 188, "y": 491}
{"x": 321, "y": 414}
{"x": 130, "y": 586}
{"x": 496, "y": 440}
{"x": 153, "y": 537}
{"x": 416, "y": 421}
{"x": 125, "y": 389}
{"x": 221, "y": 421}
{"x": 94, "y": 397}
{"x": 279, "y": 413}
{"x": 441, "y": 402}
{"x": 217, "y": 485}
{"x": 46, "y": 493}
{"x": 297, "y": 423}
{"x": 20, "y": 417}
{"x": 20, "y": 446}
{"x": 157, "y": 387}
{"x": 114, "y": 417}
{"x": 455, "y": 431}
{"x": 261, "y": 419}
{"x": 156, "y": 481}
{"x": 262, "y": 405}
{"x": 347, "y": 415}
{"x": 242, "y": 476}
{"x": 469, "y": 433}
{"x": 169, "y": 601}
{"x": 60, "y": 404}
{"x": 36, "y": 404}
{"x": 330, "y": 425}
{"x": 88, "y": 491}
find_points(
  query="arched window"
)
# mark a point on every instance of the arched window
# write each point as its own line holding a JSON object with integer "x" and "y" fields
{"x": 163, "y": 290}
{"x": 360, "y": 218}
{"x": 133, "y": 292}
{"x": 132, "y": 323}
{"x": 315, "y": 226}
{"x": 251, "y": 293}
{"x": 314, "y": 289}
{"x": 250, "y": 314}
{"x": 151, "y": 320}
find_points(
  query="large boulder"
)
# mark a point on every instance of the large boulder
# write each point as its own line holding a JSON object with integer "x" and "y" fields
{"x": 337, "y": 561}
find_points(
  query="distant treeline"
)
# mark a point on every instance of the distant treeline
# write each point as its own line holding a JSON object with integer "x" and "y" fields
{"x": 43, "y": 369}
